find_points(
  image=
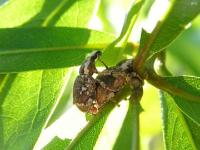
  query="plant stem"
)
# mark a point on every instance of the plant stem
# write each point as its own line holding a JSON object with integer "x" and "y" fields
{"x": 144, "y": 51}
{"x": 135, "y": 105}
{"x": 160, "y": 81}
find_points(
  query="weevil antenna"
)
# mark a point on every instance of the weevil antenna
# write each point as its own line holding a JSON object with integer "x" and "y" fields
{"x": 103, "y": 63}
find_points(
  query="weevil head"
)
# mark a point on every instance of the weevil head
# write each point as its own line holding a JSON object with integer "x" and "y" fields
{"x": 88, "y": 66}
{"x": 94, "y": 55}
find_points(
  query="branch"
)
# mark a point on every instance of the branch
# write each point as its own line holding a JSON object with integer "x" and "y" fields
{"x": 135, "y": 106}
{"x": 162, "y": 84}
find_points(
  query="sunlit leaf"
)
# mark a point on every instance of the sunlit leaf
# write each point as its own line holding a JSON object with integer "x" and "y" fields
{"x": 27, "y": 100}
{"x": 124, "y": 35}
{"x": 179, "y": 131}
{"x": 146, "y": 8}
{"x": 129, "y": 129}
{"x": 36, "y": 13}
{"x": 64, "y": 102}
{"x": 57, "y": 144}
{"x": 130, "y": 21}
{"x": 87, "y": 138}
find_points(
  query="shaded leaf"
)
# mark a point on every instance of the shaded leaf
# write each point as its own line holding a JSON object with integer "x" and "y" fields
{"x": 144, "y": 37}
{"x": 185, "y": 53}
{"x": 2, "y": 78}
{"x": 57, "y": 144}
{"x": 179, "y": 131}
{"x": 45, "y": 48}
{"x": 191, "y": 86}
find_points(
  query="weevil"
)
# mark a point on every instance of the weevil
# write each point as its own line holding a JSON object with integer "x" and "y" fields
{"x": 91, "y": 94}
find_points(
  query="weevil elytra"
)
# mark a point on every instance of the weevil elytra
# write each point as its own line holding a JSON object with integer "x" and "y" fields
{"x": 91, "y": 94}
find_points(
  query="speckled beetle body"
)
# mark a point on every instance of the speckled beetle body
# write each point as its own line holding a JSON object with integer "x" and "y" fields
{"x": 85, "y": 86}
{"x": 91, "y": 94}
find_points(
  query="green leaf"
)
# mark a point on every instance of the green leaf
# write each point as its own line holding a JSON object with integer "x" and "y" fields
{"x": 166, "y": 31}
{"x": 146, "y": 8}
{"x": 102, "y": 15}
{"x": 57, "y": 144}
{"x": 130, "y": 21}
{"x": 2, "y": 77}
{"x": 127, "y": 138}
{"x": 191, "y": 86}
{"x": 27, "y": 99}
{"x": 174, "y": 23}
{"x": 87, "y": 138}
{"x": 121, "y": 41}
{"x": 45, "y": 48}
{"x": 144, "y": 37}
{"x": 185, "y": 53}
{"x": 66, "y": 98}
{"x": 36, "y": 13}
{"x": 180, "y": 132}
{"x": 193, "y": 127}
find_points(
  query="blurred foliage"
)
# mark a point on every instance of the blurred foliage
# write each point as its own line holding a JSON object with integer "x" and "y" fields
{"x": 183, "y": 54}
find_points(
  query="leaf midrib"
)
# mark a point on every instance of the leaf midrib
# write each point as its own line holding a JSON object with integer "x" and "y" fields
{"x": 31, "y": 50}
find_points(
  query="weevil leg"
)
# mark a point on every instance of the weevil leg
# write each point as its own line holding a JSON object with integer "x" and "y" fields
{"x": 136, "y": 85}
{"x": 137, "y": 94}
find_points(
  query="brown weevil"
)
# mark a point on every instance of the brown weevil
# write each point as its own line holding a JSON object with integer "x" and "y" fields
{"x": 90, "y": 94}
{"x": 84, "y": 90}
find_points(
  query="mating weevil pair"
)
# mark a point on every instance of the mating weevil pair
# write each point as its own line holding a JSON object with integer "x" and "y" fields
{"x": 91, "y": 94}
